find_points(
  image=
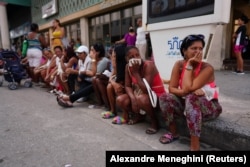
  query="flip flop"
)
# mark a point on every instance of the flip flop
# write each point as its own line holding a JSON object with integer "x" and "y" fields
{"x": 119, "y": 120}
{"x": 151, "y": 131}
{"x": 107, "y": 115}
{"x": 167, "y": 138}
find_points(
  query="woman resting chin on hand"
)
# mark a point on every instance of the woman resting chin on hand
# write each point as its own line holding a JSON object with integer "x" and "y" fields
{"x": 192, "y": 92}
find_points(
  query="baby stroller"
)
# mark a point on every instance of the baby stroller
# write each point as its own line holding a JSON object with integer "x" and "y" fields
{"x": 12, "y": 70}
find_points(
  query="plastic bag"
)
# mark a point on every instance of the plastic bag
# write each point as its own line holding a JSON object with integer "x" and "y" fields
{"x": 65, "y": 42}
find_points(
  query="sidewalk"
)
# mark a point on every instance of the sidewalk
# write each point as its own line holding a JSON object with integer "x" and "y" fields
{"x": 231, "y": 131}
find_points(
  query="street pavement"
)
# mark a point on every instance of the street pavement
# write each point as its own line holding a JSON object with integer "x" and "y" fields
{"x": 36, "y": 132}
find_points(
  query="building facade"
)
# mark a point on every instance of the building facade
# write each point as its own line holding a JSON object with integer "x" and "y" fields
{"x": 87, "y": 20}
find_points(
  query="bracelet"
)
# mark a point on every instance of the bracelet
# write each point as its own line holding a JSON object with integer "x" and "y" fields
{"x": 93, "y": 60}
{"x": 189, "y": 67}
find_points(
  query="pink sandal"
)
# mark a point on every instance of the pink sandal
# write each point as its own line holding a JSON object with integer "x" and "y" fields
{"x": 168, "y": 138}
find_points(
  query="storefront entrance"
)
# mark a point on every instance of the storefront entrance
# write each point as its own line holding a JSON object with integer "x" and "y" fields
{"x": 115, "y": 24}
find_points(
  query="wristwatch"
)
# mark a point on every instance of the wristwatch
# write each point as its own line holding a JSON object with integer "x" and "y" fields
{"x": 189, "y": 67}
{"x": 93, "y": 60}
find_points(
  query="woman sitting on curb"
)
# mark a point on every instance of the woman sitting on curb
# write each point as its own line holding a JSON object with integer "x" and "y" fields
{"x": 137, "y": 99}
{"x": 192, "y": 92}
{"x": 41, "y": 71}
{"x": 115, "y": 86}
{"x": 68, "y": 61}
{"x": 98, "y": 64}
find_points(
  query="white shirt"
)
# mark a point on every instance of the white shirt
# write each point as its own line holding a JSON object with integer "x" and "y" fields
{"x": 83, "y": 66}
{"x": 141, "y": 36}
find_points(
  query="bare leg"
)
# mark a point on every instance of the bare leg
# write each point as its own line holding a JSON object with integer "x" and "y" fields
{"x": 123, "y": 101}
{"x": 97, "y": 92}
{"x": 195, "y": 143}
{"x": 102, "y": 87}
{"x": 240, "y": 62}
{"x": 111, "y": 97}
{"x": 63, "y": 84}
{"x": 144, "y": 103}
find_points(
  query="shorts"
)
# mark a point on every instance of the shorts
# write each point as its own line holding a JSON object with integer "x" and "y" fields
{"x": 34, "y": 57}
{"x": 238, "y": 48}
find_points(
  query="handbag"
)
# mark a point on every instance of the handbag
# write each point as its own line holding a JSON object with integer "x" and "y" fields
{"x": 152, "y": 95}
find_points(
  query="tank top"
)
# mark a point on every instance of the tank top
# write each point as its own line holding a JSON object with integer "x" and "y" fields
{"x": 210, "y": 89}
{"x": 57, "y": 41}
{"x": 34, "y": 43}
{"x": 157, "y": 85}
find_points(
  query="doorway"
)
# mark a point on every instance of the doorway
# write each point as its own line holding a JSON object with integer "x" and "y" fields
{"x": 241, "y": 7}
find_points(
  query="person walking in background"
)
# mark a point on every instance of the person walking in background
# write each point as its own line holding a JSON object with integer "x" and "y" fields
{"x": 192, "y": 92}
{"x": 141, "y": 42}
{"x": 58, "y": 33}
{"x": 239, "y": 42}
{"x": 36, "y": 43}
{"x": 129, "y": 38}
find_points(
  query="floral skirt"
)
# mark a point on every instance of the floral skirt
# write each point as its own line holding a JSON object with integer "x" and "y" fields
{"x": 195, "y": 108}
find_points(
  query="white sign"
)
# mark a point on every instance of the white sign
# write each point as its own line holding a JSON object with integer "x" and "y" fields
{"x": 166, "y": 46}
{"x": 49, "y": 9}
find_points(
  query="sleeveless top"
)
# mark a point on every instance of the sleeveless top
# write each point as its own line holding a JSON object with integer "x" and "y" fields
{"x": 157, "y": 85}
{"x": 57, "y": 41}
{"x": 34, "y": 43}
{"x": 210, "y": 89}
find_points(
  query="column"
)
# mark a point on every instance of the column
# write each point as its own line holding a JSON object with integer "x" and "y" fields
{"x": 4, "y": 28}
{"x": 216, "y": 47}
{"x": 84, "y": 26}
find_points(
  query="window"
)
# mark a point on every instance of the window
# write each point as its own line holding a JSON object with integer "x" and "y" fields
{"x": 166, "y": 10}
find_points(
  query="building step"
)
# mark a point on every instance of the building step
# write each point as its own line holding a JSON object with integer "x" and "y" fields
{"x": 230, "y": 64}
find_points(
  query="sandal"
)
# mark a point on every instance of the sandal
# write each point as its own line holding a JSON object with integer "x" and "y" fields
{"x": 151, "y": 131}
{"x": 63, "y": 103}
{"x": 168, "y": 138}
{"x": 107, "y": 115}
{"x": 119, "y": 120}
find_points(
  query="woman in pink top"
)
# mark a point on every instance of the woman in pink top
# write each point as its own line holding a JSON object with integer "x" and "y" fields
{"x": 129, "y": 38}
{"x": 192, "y": 92}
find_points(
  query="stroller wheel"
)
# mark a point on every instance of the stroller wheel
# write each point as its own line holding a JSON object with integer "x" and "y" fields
{"x": 27, "y": 84}
{"x": 12, "y": 86}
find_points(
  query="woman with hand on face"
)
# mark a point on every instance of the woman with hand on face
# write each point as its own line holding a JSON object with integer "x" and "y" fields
{"x": 136, "y": 99}
{"x": 192, "y": 92}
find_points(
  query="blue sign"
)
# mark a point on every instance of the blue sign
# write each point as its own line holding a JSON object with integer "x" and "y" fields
{"x": 174, "y": 46}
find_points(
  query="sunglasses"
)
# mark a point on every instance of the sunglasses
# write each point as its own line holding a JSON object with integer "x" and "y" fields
{"x": 195, "y": 37}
